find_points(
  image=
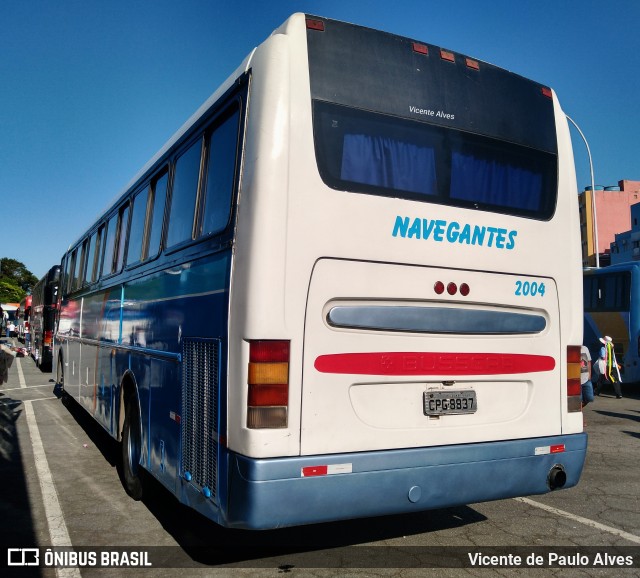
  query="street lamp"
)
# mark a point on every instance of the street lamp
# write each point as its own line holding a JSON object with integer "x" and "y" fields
{"x": 593, "y": 192}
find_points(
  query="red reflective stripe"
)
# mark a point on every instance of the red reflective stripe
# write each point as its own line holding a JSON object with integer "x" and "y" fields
{"x": 557, "y": 449}
{"x": 314, "y": 471}
{"x": 430, "y": 363}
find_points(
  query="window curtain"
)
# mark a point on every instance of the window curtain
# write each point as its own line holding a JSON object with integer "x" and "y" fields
{"x": 385, "y": 162}
{"x": 491, "y": 182}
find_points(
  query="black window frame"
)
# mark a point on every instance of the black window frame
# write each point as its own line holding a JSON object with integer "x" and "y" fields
{"x": 609, "y": 292}
{"x": 328, "y": 149}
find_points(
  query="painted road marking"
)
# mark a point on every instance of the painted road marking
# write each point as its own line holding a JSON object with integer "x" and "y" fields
{"x": 585, "y": 521}
{"x": 55, "y": 520}
{"x": 5, "y": 389}
{"x": 23, "y": 383}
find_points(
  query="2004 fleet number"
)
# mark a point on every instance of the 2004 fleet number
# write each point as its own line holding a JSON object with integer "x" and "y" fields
{"x": 529, "y": 289}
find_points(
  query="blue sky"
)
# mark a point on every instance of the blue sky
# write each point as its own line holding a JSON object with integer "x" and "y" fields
{"x": 91, "y": 89}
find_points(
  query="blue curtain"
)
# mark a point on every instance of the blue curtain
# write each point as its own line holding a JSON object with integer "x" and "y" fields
{"x": 491, "y": 182}
{"x": 385, "y": 162}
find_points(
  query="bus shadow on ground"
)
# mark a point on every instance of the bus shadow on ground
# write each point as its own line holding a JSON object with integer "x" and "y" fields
{"x": 320, "y": 545}
{"x": 17, "y": 528}
{"x": 106, "y": 445}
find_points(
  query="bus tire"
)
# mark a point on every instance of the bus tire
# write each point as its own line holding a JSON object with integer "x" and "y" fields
{"x": 131, "y": 446}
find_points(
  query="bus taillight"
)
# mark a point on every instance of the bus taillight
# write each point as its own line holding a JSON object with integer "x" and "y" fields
{"x": 574, "y": 388}
{"x": 48, "y": 338}
{"x": 268, "y": 380}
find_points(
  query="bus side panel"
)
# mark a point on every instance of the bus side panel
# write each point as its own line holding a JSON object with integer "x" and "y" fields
{"x": 92, "y": 314}
{"x": 72, "y": 324}
{"x": 98, "y": 387}
{"x": 161, "y": 378}
{"x": 164, "y": 317}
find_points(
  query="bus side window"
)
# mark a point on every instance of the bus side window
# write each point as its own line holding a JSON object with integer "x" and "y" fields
{"x": 81, "y": 266}
{"x": 221, "y": 171}
{"x": 183, "y": 197}
{"x": 88, "y": 269}
{"x": 123, "y": 227}
{"x": 109, "y": 246}
{"x": 156, "y": 216}
{"x": 71, "y": 270}
{"x": 136, "y": 232}
{"x": 67, "y": 273}
{"x": 99, "y": 246}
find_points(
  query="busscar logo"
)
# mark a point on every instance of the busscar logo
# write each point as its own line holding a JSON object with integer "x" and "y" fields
{"x": 23, "y": 557}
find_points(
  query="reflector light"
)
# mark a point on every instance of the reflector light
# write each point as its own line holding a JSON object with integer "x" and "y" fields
{"x": 268, "y": 384}
{"x": 452, "y": 288}
{"x": 315, "y": 24}
{"x": 474, "y": 64}
{"x": 546, "y": 91}
{"x": 268, "y": 373}
{"x": 464, "y": 290}
{"x": 314, "y": 471}
{"x": 269, "y": 351}
{"x": 439, "y": 288}
{"x": 573, "y": 354}
{"x": 545, "y": 450}
{"x": 574, "y": 388}
{"x": 326, "y": 470}
{"x": 446, "y": 55}
{"x": 267, "y": 395}
{"x": 420, "y": 48}
{"x": 266, "y": 417}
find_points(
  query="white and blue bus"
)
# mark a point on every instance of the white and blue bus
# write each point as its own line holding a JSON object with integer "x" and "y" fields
{"x": 349, "y": 286}
{"x": 612, "y": 308}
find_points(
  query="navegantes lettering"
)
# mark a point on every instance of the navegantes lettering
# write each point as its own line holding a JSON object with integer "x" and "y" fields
{"x": 440, "y": 231}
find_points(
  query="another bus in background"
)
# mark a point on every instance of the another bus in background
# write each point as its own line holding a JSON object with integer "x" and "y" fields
{"x": 44, "y": 300}
{"x": 612, "y": 307}
{"x": 349, "y": 286}
{"x": 23, "y": 315}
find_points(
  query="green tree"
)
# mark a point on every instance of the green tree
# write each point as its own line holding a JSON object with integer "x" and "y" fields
{"x": 15, "y": 280}
{"x": 10, "y": 293}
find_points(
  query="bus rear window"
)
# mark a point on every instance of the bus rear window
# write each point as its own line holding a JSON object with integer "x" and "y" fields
{"x": 377, "y": 154}
{"x": 607, "y": 292}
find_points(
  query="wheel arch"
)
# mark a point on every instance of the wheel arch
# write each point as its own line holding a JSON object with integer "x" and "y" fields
{"x": 128, "y": 394}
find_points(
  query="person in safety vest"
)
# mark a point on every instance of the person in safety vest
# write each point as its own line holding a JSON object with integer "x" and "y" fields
{"x": 607, "y": 369}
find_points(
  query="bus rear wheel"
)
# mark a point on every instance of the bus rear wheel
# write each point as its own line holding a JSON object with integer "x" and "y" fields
{"x": 131, "y": 444}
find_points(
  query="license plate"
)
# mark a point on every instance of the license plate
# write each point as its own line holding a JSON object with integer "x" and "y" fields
{"x": 450, "y": 402}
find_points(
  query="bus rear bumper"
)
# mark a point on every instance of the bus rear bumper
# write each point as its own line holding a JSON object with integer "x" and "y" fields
{"x": 278, "y": 492}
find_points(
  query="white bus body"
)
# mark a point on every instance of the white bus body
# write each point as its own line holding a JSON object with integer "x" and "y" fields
{"x": 393, "y": 344}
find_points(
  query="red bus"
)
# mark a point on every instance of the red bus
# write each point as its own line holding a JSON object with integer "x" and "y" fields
{"x": 43, "y": 315}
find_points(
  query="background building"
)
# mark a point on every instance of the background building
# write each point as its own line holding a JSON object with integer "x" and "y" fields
{"x": 626, "y": 246}
{"x": 613, "y": 216}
